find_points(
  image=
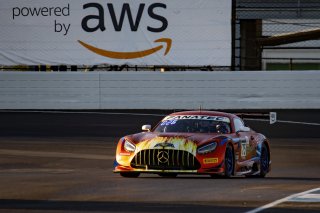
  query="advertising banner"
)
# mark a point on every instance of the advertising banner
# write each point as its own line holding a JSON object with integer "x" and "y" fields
{"x": 136, "y": 32}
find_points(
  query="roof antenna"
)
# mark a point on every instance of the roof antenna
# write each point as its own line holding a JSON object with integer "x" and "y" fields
{"x": 200, "y": 108}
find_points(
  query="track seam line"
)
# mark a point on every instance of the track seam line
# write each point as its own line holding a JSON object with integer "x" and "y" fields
{"x": 97, "y": 113}
{"x": 55, "y": 154}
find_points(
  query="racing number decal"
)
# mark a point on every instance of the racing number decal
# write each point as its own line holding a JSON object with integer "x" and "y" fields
{"x": 247, "y": 140}
{"x": 243, "y": 149}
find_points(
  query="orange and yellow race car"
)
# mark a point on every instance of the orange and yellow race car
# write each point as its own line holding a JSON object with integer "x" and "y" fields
{"x": 194, "y": 142}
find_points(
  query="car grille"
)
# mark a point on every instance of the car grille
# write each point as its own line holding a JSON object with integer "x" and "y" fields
{"x": 165, "y": 159}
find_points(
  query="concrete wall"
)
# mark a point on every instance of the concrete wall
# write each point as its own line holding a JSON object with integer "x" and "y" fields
{"x": 155, "y": 90}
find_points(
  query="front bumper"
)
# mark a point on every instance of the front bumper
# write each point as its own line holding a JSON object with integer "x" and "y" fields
{"x": 168, "y": 155}
{"x": 169, "y": 161}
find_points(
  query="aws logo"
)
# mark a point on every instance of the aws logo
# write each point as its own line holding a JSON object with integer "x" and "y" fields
{"x": 134, "y": 24}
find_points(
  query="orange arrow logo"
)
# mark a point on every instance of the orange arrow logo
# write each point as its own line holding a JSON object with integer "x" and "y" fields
{"x": 129, "y": 55}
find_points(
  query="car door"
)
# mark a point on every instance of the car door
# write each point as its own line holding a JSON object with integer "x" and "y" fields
{"x": 246, "y": 147}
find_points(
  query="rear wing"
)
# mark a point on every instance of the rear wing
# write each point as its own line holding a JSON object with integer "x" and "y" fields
{"x": 271, "y": 117}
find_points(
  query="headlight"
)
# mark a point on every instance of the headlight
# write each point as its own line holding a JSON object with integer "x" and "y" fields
{"x": 128, "y": 146}
{"x": 207, "y": 148}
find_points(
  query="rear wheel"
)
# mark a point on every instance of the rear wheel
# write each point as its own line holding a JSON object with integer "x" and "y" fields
{"x": 130, "y": 174}
{"x": 264, "y": 161}
{"x": 228, "y": 162}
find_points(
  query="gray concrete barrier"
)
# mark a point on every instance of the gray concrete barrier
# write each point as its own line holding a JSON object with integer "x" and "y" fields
{"x": 156, "y": 90}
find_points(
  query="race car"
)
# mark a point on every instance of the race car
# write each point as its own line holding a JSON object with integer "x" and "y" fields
{"x": 195, "y": 142}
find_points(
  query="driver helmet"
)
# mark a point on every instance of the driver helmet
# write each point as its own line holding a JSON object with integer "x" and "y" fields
{"x": 222, "y": 128}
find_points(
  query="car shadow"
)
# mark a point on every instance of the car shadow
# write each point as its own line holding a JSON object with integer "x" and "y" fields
{"x": 235, "y": 178}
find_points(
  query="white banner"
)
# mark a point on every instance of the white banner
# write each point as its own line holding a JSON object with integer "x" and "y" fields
{"x": 139, "y": 32}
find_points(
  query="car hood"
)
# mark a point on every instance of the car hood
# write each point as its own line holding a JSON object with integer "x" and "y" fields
{"x": 150, "y": 137}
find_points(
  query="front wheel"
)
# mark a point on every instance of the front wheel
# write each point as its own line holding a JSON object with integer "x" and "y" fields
{"x": 264, "y": 161}
{"x": 130, "y": 174}
{"x": 228, "y": 162}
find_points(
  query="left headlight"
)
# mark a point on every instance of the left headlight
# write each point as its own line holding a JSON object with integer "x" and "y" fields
{"x": 130, "y": 147}
{"x": 207, "y": 148}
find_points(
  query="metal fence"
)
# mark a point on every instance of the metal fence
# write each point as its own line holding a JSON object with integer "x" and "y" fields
{"x": 108, "y": 67}
{"x": 276, "y": 35}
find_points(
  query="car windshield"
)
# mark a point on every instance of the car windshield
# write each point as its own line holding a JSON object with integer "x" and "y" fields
{"x": 194, "y": 124}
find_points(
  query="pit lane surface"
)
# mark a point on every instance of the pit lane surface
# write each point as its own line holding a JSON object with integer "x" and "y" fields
{"x": 66, "y": 173}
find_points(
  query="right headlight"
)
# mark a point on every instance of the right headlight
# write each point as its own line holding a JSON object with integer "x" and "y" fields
{"x": 207, "y": 148}
{"x": 128, "y": 146}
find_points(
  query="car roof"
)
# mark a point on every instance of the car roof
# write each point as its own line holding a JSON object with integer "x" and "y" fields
{"x": 209, "y": 113}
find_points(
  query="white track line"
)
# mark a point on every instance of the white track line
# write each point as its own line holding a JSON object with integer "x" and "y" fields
{"x": 297, "y": 122}
{"x": 146, "y": 114}
{"x": 277, "y": 202}
{"x": 282, "y": 121}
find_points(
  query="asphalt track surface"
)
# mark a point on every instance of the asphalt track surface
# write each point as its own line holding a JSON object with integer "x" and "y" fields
{"x": 48, "y": 166}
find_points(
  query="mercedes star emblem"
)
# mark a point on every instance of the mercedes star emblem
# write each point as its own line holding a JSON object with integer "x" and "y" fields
{"x": 163, "y": 157}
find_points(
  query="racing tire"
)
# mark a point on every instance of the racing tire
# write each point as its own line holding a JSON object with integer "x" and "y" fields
{"x": 130, "y": 174}
{"x": 228, "y": 162}
{"x": 168, "y": 175}
{"x": 264, "y": 161}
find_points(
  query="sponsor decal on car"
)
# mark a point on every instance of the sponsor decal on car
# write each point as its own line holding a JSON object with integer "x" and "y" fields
{"x": 210, "y": 160}
{"x": 243, "y": 149}
{"x": 198, "y": 117}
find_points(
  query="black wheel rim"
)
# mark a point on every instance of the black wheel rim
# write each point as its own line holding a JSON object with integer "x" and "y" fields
{"x": 264, "y": 160}
{"x": 229, "y": 161}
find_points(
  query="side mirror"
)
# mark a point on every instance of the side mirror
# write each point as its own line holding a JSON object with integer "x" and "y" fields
{"x": 146, "y": 128}
{"x": 244, "y": 129}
